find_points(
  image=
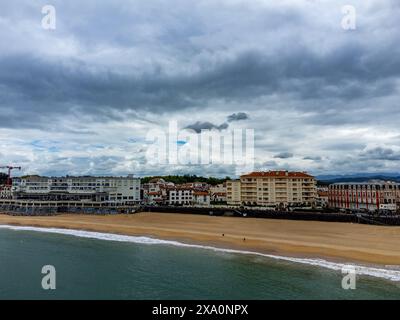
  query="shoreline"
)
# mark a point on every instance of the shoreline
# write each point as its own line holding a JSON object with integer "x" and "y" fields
{"x": 334, "y": 242}
{"x": 372, "y": 271}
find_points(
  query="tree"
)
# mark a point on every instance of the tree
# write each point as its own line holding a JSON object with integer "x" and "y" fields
{"x": 187, "y": 179}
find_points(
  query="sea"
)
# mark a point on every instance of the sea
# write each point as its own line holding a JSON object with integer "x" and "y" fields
{"x": 91, "y": 266}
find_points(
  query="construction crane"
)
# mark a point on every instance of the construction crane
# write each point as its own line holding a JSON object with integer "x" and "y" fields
{"x": 10, "y": 168}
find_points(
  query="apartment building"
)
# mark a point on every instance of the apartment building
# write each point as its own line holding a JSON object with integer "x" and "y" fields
{"x": 272, "y": 188}
{"x": 156, "y": 191}
{"x": 5, "y": 192}
{"x": 371, "y": 196}
{"x": 120, "y": 190}
{"x": 218, "y": 193}
{"x": 180, "y": 196}
{"x": 233, "y": 192}
{"x": 322, "y": 199}
{"x": 201, "y": 198}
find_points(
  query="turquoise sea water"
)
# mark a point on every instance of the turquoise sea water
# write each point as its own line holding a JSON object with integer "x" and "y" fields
{"x": 88, "y": 268}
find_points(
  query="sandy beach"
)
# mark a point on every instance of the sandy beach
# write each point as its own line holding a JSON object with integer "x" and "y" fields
{"x": 343, "y": 242}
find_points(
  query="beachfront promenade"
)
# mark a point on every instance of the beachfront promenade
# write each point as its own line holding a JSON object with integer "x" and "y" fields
{"x": 53, "y": 208}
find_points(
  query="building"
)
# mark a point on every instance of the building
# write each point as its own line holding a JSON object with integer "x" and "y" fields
{"x": 114, "y": 190}
{"x": 273, "y": 188}
{"x": 371, "y": 196}
{"x": 159, "y": 192}
{"x": 233, "y": 192}
{"x": 183, "y": 195}
{"x": 201, "y": 198}
{"x": 197, "y": 185}
{"x": 322, "y": 199}
{"x": 180, "y": 196}
{"x": 5, "y": 192}
{"x": 218, "y": 193}
{"x": 156, "y": 191}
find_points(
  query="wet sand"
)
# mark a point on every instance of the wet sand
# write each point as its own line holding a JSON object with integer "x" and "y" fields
{"x": 333, "y": 241}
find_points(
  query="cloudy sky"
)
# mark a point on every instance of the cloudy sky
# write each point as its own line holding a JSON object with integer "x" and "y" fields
{"x": 81, "y": 99}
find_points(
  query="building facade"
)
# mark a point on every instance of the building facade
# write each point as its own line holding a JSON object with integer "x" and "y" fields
{"x": 218, "y": 193}
{"x": 118, "y": 190}
{"x": 233, "y": 193}
{"x": 201, "y": 198}
{"x": 156, "y": 191}
{"x": 186, "y": 196}
{"x": 273, "y": 188}
{"x": 371, "y": 196}
{"x": 322, "y": 200}
{"x": 180, "y": 196}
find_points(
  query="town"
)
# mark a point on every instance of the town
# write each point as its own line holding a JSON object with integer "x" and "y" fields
{"x": 269, "y": 190}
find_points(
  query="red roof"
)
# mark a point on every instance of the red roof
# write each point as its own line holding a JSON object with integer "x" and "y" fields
{"x": 154, "y": 193}
{"x": 280, "y": 174}
{"x": 201, "y": 193}
{"x": 219, "y": 194}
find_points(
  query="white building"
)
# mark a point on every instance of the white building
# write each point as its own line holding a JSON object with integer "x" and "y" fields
{"x": 184, "y": 196}
{"x": 201, "y": 198}
{"x": 322, "y": 199}
{"x": 233, "y": 192}
{"x": 156, "y": 191}
{"x": 218, "y": 193}
{"x": 118, "y": 190}
{"x": 180, "y": 196}
{"x": 5, "y": 192}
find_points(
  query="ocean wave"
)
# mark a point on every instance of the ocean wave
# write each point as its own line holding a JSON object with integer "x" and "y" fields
{"x": 388, "y": 274}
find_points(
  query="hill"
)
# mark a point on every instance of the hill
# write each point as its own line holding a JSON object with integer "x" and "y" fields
{"x": 187, "y": 179}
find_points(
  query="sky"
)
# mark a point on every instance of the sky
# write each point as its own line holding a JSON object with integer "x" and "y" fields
{"x": 82, "y": 98}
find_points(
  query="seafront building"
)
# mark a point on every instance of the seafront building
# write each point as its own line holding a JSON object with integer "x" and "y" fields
{"x": 156, "y": 191}
{"x": 322, "y": 200}
{"x": 159, "y": 192}
{"x": 272, "y": 188}
{"x": 371, "y": 196}
{"x": 113, "y": 190}
{"x": 5, "y": 192}
{"x": 188, "y": 196}
{"x": 218, "y": 193}
{"x": 180, "y": 196}
{"x": 275, "y": 189}
{"x": 233, "y": 192}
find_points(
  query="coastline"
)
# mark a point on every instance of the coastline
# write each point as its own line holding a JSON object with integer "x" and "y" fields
{"x": 333, "y": 242}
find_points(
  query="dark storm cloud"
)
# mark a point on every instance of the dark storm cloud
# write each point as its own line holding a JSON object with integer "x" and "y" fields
{"x": 198, "y": 126}
{"x": 284, "y": 155}
{"x": 307, "y": 83}
{"x": 344, "y": 146}
{"x": 33, "y": 86}
{"x": 316, "y": 158}
{"x": 238, "y": 116}
{"x": 380, "y": 153}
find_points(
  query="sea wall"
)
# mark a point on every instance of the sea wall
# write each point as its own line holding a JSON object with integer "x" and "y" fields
{"x": 233, "y": 212}
{"x": 288, "y": 215}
